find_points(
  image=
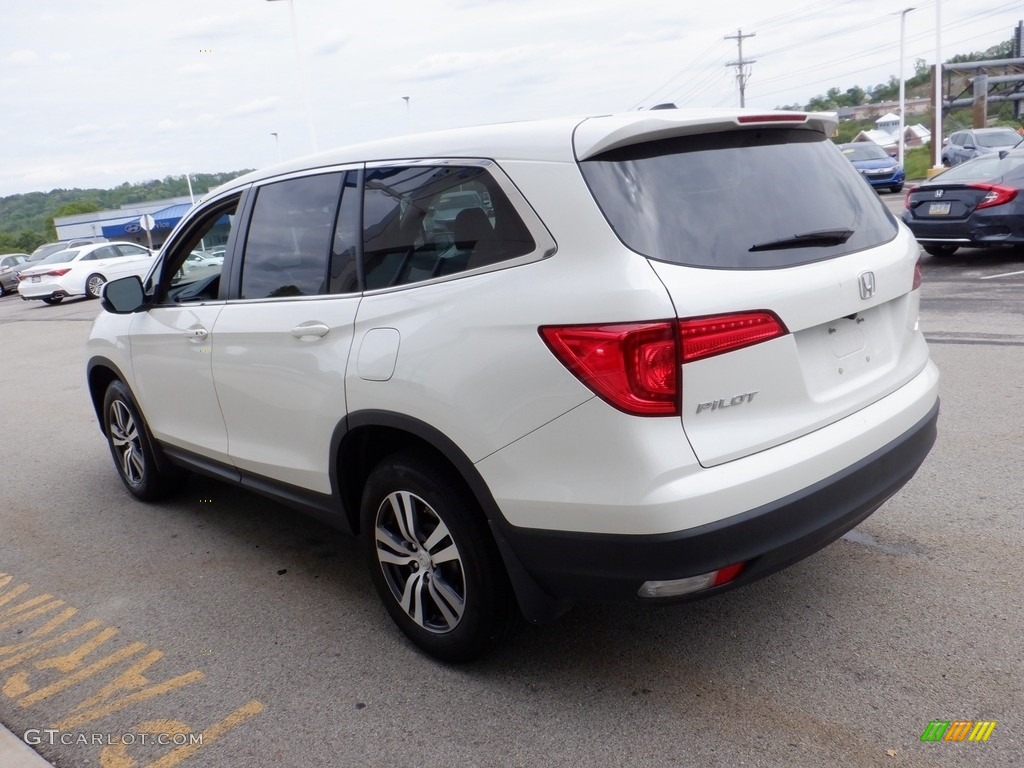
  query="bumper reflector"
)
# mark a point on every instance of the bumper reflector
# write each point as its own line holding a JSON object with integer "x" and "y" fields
{"x": 676, "y": 587}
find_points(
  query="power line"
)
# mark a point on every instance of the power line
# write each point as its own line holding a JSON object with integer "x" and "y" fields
{"x": 742, "y": 65}
{"x": 704, "y": 78}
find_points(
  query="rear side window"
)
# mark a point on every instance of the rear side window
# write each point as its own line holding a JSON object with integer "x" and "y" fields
{"x": 423, "y": 222}
{"x": 755, "y": 199}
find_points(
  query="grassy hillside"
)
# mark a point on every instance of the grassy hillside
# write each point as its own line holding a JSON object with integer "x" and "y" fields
{"x": 26, "y": 220}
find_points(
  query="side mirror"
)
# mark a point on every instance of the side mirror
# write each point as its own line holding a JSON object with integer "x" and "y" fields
{"x": 123, "y": 296}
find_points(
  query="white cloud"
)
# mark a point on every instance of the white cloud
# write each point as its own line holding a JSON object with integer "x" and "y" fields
{"x": 254, "y": 107}
{"x": 22, "y": 58}
{"x": 461, "y": 62}
{"x": 194, "y": 68}
{"x": 331, "y": 43}
{"x": 86, "y": 129}
{"x": 455, "y": 63}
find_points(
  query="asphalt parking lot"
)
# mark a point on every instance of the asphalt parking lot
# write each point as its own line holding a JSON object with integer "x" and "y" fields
{"x": 130, "y": 631}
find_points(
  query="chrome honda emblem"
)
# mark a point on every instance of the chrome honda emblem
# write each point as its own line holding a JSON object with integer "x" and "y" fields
{"x": 867, "y": 284}
{"x": 938, "y": 192}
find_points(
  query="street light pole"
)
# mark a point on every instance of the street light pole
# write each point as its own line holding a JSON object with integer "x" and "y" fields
{"x": 937, "y": 136}
{"x": 903, "y": 35}
{"x": 304, "y": 80}
{"x": 277, "y": 144}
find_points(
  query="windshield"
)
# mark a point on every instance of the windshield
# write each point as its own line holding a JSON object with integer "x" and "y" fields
{"x": 1005, "y": 138}
{"x": 865, "y": 151}
{"x": 748, "y": 199}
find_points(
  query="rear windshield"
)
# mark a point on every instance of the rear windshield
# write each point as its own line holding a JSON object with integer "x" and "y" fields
{"x": 753, "y": 199}
{"x": 1005, "y": 138}
{"x": 1009, "y": 167}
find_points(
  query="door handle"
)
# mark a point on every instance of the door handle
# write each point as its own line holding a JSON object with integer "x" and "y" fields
{"x": 196, "y": 334}
{"x": 310, "y": 329}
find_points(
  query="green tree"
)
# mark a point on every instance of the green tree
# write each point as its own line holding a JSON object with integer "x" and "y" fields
{"x": 71, "y": 209}
{"x": 854, "y": 97}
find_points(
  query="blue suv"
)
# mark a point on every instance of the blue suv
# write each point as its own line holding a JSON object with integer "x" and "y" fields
{"x": 875, "y": 165}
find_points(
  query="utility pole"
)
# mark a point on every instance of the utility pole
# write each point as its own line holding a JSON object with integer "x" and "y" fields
{"x": 742, "y": 65}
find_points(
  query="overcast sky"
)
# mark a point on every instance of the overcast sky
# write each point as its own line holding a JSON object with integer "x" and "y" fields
{"x": 97, "y": 93}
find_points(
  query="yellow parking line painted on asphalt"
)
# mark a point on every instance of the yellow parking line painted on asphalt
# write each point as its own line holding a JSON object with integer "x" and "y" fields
{"x": 30, "y": 648}
{"x": 184, "y": 752}
{"x": 27, "y": 675}
{"x": 131, "y": 680}
{"x": 83, "y": 674}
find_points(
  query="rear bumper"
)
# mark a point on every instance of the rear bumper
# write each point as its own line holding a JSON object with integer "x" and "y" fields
{"x": 41, "y": 291}
{"x": 980, "y": 229}
{"x": 573, "y": 566}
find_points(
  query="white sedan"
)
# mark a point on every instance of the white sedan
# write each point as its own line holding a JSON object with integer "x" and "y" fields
{"x": 82, "y": 271}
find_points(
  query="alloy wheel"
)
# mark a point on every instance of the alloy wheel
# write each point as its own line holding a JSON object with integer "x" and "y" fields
{"x": 421, "y": 562}
{"x": 127, "y": 443}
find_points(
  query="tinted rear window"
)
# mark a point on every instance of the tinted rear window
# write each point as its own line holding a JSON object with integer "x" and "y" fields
{"x": 998, "y": 139}
{"x": 707, "y": 200}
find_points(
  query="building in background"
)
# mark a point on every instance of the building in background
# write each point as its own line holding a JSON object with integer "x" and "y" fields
{"x": 123, "y": 223}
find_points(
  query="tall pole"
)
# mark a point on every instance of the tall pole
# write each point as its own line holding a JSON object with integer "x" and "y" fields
{"x": 903, "y": 100}
{"x": 304, "y": 80}
{"x": 742, "y": 70}
{"x": 937, "y": 134}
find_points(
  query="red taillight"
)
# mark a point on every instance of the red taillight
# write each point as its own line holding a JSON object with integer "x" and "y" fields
{"x": 635, "y": 366}
{"x": 58, "y": 272}
{"x": 917, "y": 276}
{"x": 706, "y": 336}
{"x": 906, "y": 198}
{"x": 997, "y": 195}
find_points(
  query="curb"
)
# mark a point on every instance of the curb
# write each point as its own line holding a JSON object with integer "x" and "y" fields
{"x": 15, "y": 753}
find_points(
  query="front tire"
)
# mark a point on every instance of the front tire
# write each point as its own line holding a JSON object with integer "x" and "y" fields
{"x": 940, "y": 250}
{"x": 94, "y": 286}
{"x": 433, "y": 560}
{"x": 131, "y": 446}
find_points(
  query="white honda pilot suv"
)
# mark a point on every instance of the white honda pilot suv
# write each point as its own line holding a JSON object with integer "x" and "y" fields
{"x": 656, "y": 356}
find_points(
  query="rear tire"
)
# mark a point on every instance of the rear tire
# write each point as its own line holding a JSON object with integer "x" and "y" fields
{"x": 94, "y": 286}
{"x": 433, "y": 560}
{"x": 940, "y": 250}
{"x": 131, "y": 446}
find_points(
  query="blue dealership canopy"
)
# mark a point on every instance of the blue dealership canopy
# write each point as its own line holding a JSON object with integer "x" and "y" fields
{"x": 165, "y": 218}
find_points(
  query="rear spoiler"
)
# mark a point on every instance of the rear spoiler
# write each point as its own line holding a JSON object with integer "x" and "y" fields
{"x": 597, "y": 135}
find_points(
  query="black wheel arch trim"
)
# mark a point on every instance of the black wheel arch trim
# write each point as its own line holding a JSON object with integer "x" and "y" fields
{"x": 114, "y": 373}
{"x": 535, "y": 603}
